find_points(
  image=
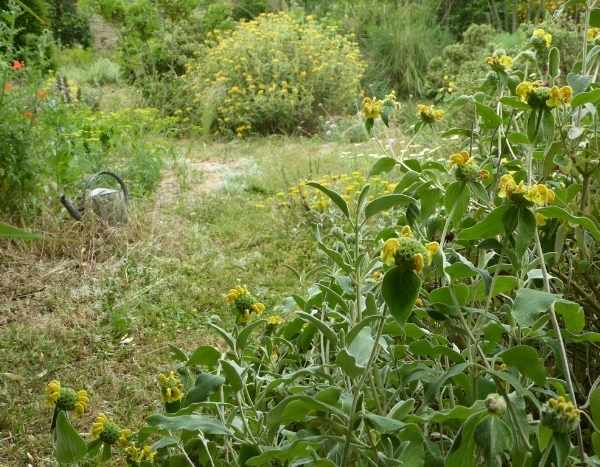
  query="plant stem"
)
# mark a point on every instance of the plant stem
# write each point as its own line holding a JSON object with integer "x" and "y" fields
{"x": 561, "y": 343}
{"x": 359, "y": 386}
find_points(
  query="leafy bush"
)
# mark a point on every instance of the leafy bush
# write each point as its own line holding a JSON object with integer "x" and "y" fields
{"x": 312, "y": 70}
{"x": 69, "y": 27}
{"x": 29, "y": 26}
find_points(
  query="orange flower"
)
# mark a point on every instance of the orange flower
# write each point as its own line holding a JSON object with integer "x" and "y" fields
{"x": 28, "y": 115}
{"x": 8, "y": 87}
{"x": 17, "y": 65}
{"x": 41, "y": 94}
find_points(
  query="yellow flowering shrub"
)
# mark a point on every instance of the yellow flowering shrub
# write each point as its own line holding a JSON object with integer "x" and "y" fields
{"x": 274, "y": 74}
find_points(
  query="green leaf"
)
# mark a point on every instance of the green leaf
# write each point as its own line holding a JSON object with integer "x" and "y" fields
{"x": 595, "y": 406}
{"x": 525, "y": 230}
{"x": 489, "y": 115}
{"x": 494, "y": 436}
{"x": 245, "y": 333}
{"x": 205, "y": 355}
{"x": 554, "y": 212}
{"x": 544, "y": 436}
{"x": 353, "y": 360}
{"x": 462, "y": 452}
{"x": 596, "y": 443}
{"x": 529, "y": 304}
{"x": 515, "y": 103}
{"x": 336, "y": 257}
{"x": 489, "y": 227}
{"x": 595, "y": 18}
{"x": 579, "y": 83}
{"x": 527, "y": 361}
{"x": 400, "y": 289}
{"x": 334, "y": 196}
{"x": 193, "y": 422}
{"x": 554, "y": 63}
{"x": 206, "y": 384}
{"x": 456, "y": 201}
{"x": 224, "y": 334}
{"x": 458, "y": 412}
{"x": 590, "y": 97}
{"x": 233, "y": 374}
{"x": 177, "y": 353}
{"x": 383, "y": 424}
{"x": 246, "y": 452}
{"x": 14, "y": 233}
{"x": 383, "y": 203}
{"x": 383, "y": 165}
{"x": 572, "y": 314}
{"x": 323, "y": 327}
{"x": 69, "y": 446}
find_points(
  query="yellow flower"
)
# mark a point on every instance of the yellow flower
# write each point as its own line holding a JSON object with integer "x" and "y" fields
{"x": 592, "y": 33}
{"x": 171, "y": 388}
{"x": 274, "y": 320}
{"x": 258, "y": 308}
{"x": 406, "y": 231}
{"x": 389, "y": 250}
{"x": 419, "y": 262}
{"x": 235, "y": 293}
{"x": 53, "y": 391}
{"x": 433, "y": 248}
{"x": 372, "y": 107}
{"x": 98, "y": 425}
{"x": 546, "y": 37}
{"x": 540, "y": 219}
{"x": 148, "y": 454}
{"x": 524, "y": 89}
{"x": 459, "y": 158}
{"x": 560, "y": 96}
{"x": 82, "y": 402}
{"x": 428, "y": 114}
{"x": 377, "y": 275}
{"x": 124, "y": 437}
{"x": 508, "y": 186}
{"x": 540, "y": 194}
{"x": 419, "y": 302}
{"x": 500, "y": 62}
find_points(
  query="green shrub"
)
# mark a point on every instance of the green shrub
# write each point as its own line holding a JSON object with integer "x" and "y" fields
{"x": 69, "y": 27}
{"x": 29, "y": 25}
{"x": 311, "y": 70}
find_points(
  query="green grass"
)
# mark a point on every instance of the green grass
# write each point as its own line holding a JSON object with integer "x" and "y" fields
{"x": 104, "y": 321}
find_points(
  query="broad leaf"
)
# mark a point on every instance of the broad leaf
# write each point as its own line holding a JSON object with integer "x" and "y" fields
{"x": 527, "y": 361}
{"x": 400, "y": 290}
{"x": 333, "y": 196}
{"x": 386, "y": 202}
{"x": 194, "y": 422}
{"x": 69, "y": 447}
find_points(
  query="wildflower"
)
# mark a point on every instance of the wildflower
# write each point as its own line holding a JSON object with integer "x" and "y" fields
{"x": 560, "y": 415}
{"x": 508, "y": 186}
{"x": 377, "y": 275}
{"x": 405, "y": 252}
{"x": 28, "y": 115}
{"x": 540, "y": 194}
{"x": 372, "y": 108}
{"x": 419, "y": 302}
{"x": 257, "y": 308}
{"x": 406, "y": 231}
{"x": 8, "y": 87}
{"x": 17, "y": 65}
{"x": 105, "y": 430}
{"x": 500, "y": 63}
{"x": 484, "y": 174}
{"x": 459, "y": 158}
{"x": 592, "y": 34}
{"x": 274, "y": 320}
{"x": 41, "y": 94}
{"x": 136, "y": 456}
{"x": 171, "y": 388}
{"x": 540, "y": 219}
{"x": 559, "y": 96}
{"x": 541, "y": 38}
{"x": 388, "y": 253}
{"x": 495, "y": 404}
{"x": 524, "y": 89}
{"x": 235, "y": 293}
{"x": 124, "y": 438}
{"x": 66, "y": 398}
{"x": 433, "y": 248}
{"x": 428, "y": 113}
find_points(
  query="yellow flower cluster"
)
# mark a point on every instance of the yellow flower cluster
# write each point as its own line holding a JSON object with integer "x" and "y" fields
{"x": 171, "y": 388}
{"x": 535, "y": 92}
{"x": 592, "y": 34}
{"x": 429, "y": 114}
{"x": 105, "y": 430}
{"x": 500, "y": 62}
{"x": 460, "y": 159}
{"x": 538, "y": 194}
{"x": 560, "y": 415}
{"x": 560, "y": 96}
{"x": 237, "y": 292}
{"x": 406, "y": 251}
{"x": 310, "y": 66}
{"x": 136, "y": 455}
{"x": 372, "y": 108}
{"x": 244, "y": 303}
{"x": 274, "y": 320}
{"x": 541, "y": 37}
{"x": 66, "y": 398}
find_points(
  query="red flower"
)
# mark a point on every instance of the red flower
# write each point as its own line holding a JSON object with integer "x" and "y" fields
{"x": 8, "y": 87}
{"x": 17, "y": 65}
{"x": 28, "y": 115}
